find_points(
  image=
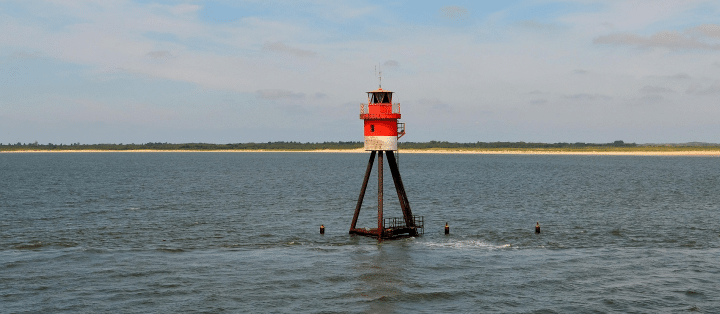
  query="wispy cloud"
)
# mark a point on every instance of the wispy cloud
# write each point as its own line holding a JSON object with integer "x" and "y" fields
{"x": 698, "y": 89}
{"x": 535, "y": 25}
{"x": 278, "y": 94}
{"x": 679, "y": 76}
{"x": 455, "y": 13}
{"x": 699, "y": 37}
{"x": 709, "y": 30}
{"x": 339, "y": 11}
{"x": 655, "y": 89}
{"x": 184, "y": 8}
{"x": 586, "y": 96}
{"x": 282, "y": 48}
{"x": 651, "y": 98}
{"x": 391, "y": 63}
{"x": 160, "y": 54}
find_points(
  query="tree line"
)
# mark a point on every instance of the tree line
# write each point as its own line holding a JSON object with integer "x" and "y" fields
{"x": 298, "y": 146}
{"x": 436, "y": 144}
{"x": 182, "y": 146}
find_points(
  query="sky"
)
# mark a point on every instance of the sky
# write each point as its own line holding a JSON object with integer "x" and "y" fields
{"x": 259, "y": 71}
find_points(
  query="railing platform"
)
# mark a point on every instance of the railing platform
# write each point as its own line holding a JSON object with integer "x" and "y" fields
{"x": 394, "y": 228}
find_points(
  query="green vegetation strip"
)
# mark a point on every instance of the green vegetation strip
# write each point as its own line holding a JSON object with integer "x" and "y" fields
{"x": 617, "y": 146}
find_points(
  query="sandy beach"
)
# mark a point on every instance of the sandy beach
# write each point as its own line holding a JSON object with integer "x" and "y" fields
{"x": 705, "y": 153}
{"x": 550, "y": 152}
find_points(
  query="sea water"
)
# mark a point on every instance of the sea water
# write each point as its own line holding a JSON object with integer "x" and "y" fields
{"x": 239, "y": 232}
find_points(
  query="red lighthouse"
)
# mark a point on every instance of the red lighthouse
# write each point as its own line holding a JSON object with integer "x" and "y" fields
{"x": 382, "y": 131}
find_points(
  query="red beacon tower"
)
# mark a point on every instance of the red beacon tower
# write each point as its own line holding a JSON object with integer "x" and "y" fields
{"x": 382, "y": 131}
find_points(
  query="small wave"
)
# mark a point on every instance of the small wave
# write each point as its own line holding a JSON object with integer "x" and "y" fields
{"x": 29, "y": 246}
{"x": 68, "y": 244}
{"x": 40, "y": 244}
{"x": 171, "y": 250}
{"x": 462, "y": 244}
{"x": 694, "y": 294}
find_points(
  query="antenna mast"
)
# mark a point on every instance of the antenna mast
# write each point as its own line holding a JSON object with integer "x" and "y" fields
{"x": 379, "y": 76}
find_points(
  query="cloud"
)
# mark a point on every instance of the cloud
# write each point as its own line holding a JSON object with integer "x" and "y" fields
{"x": 585, "y": 96}
{"x": 651, "y": 98}
{"x": 665, "y": 39}
{"x": 655, "y": 89}
{"x": 160, "y": 54}
{"x": 391, "y": 63}
{"x": 607, "y": 24}
{"x": 278, "y": 94}
{"x": 709, "y": 30}
{"x": 635, "y": 15}
{"x": 699, "y": 90}
{"x": 435, "y": 105}
{"x": 691, "y": 38}
{"x": 441, "y": 107}
{"x": 581, "y": 72}
{"x": 679, "y": 76}
{"x": 184, "y": 8}
{"x": 454, "y": 13}
{"x": 24, "y": 55}
{"x": 710, "y": 90}
{"x": 535, "y": 25}
{"x": 337, "y": 11}
{"x": 282, "y": 48}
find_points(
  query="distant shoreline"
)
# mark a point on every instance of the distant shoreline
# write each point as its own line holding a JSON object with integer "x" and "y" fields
{"x": 605, "y": 152}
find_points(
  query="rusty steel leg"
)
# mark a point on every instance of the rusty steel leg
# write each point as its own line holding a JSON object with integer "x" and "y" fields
{"x": 380, "y": 194}
{"x": 362, "y": 190}
{"x": 400, "y": 188}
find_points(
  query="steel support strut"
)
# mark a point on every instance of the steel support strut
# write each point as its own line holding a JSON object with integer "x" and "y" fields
{"x": 400, "y": 188}
{"x": 394, "y": 230}
{"x": 380, "y": 195}
{"x": 362, "y": 191}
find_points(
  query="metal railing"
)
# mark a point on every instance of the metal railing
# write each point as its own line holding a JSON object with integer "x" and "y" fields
{"x": 365, "y": 108}
{"x": 398, "y": 223}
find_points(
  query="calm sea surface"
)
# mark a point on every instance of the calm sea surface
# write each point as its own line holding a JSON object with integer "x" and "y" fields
{"x": 238, "y": 233}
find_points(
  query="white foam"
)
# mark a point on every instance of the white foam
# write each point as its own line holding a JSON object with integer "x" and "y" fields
{"x": 463, "y": 244}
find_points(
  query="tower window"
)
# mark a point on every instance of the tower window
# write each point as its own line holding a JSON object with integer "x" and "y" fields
{"x": 372, "y": 128}
{"x": 381, "y": 98}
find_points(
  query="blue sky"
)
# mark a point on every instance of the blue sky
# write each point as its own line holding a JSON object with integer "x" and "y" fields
{"x": 258, "y": 71}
